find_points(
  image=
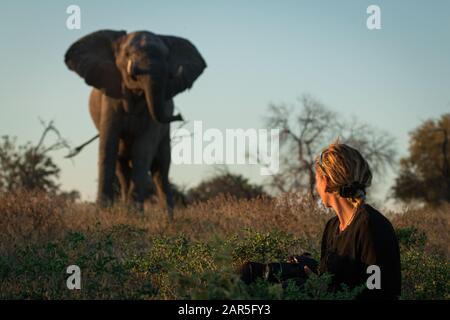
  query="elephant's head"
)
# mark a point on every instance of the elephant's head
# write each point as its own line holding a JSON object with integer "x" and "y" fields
{"x": 118, "y": 63}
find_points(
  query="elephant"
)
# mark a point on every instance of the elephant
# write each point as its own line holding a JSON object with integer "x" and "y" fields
{"x": 135, "y": 77}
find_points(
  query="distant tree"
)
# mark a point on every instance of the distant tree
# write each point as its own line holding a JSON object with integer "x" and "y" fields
{"x": 225, "y": 182}
{"x": 308, "y": 127}
{"x": 424, "y": 174}
{"x": 178, "y": 193}
{"x": 70, "y": 196}
{"x": 25, "y": 167}
{"x": 30, "y": 167}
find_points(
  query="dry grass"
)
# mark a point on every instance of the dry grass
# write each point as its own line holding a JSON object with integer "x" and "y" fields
{"x": 30, "y": 218}
{"x": 40, "y": 235}
{"x": 434, "y": 222}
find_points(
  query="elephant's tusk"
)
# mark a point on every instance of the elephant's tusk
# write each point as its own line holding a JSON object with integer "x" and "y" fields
{"x": 129, "y": 66}
{"x": 179, "y": 71}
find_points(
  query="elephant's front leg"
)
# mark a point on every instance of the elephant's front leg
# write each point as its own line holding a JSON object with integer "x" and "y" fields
{"x": 142, "y": 153}
{"x": 139, "y": 179}
{"x": 123, "y": 173}
{"x": 161, "y": 180}
{"x": 160, "y": 174}
{"x": 108, "y": 148}
{"x": 123, "y": 169}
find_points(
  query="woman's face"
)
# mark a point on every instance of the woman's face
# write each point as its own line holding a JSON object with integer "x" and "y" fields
{"x": 321, "y": 186}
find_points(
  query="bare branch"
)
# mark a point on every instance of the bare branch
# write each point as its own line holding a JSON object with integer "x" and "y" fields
{"x": 313, "y": 127}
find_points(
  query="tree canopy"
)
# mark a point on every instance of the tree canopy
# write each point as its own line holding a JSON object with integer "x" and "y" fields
{"x": 424, "y": 174}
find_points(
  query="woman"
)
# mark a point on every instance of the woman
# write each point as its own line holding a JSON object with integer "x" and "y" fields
{"x": 358, "y": 236}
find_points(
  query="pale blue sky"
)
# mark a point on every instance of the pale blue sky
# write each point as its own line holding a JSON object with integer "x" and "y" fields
{"x": 257, "y": 52}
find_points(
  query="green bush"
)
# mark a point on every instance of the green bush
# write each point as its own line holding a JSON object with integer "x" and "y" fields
{"x": 39, "y": 271}
{"x": 411, "y": 238}
{"x": 424, "y": 275}
{"x": 125, "y": 262}
{"x": 265, "y": 247}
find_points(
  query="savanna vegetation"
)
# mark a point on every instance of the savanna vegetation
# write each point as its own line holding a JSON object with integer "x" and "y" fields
{"x": 126, "y": 255}
{"x": 219, "y": 224}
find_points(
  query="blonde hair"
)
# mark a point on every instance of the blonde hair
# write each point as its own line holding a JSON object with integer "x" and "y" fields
{"x": 348, "y": 172}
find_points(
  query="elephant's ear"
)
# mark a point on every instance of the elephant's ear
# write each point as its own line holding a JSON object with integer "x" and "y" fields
{"x": 92, "y": 57}
{"x": 186, "y": 64}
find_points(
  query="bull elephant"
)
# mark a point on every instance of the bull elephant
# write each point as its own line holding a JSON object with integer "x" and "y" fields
{"x": 134, "y": 78}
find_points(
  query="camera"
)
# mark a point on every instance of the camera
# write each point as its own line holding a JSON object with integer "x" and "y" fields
{"x": 276, "y": 272}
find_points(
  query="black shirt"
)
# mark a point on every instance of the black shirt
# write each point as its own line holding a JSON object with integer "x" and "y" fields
{"x": 369, "y": 240}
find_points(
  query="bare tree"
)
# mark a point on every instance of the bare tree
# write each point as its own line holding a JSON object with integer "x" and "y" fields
{"x": 308, "y": 127}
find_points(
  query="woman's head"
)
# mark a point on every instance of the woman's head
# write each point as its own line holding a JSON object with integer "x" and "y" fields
{"x": 342, "y": 171}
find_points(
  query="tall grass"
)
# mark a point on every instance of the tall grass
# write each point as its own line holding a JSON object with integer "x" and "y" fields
{"x": 124, "y": 254}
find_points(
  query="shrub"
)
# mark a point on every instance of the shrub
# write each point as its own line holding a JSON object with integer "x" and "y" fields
{"x": 123, "y": 255}
{"x": 424, "y": 276}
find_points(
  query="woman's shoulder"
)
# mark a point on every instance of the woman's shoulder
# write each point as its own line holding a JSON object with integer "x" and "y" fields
{"x": 374, "y": 219}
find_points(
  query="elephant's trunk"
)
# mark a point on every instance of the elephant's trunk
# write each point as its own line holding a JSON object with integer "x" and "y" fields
{"x": 155, "y": 97}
